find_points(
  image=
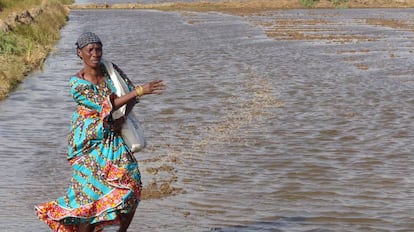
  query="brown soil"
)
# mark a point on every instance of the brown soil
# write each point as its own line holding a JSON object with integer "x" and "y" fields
{"x": 19, "y": 18}
{"x": 312, "y": 29}
{"x": 163, "y": 176}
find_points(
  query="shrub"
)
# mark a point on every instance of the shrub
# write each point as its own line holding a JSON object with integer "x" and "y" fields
{"x": 339, "y": 3}
{"x": 308, "y": 3}
{"x": 8, "y": 44}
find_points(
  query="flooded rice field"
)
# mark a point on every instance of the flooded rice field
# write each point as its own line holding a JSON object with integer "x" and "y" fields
{"x": 295, "y": 120}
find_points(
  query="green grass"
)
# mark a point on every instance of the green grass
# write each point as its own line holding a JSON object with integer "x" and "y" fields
{"x": 9, "y": 45}
{"x": 308, "y": 3}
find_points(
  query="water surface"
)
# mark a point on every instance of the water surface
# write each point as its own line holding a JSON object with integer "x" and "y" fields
{"x": 257, "y": 133}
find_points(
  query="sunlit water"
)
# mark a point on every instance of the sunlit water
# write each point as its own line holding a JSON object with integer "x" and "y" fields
{"x": 260, "y": 133}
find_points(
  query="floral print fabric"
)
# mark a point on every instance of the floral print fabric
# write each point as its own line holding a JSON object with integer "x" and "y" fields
{"x": 106, "y": 180}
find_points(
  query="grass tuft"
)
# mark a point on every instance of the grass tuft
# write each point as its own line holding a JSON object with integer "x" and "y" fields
{"x": 309, "y": 3}
{"x": 8, "y": 45}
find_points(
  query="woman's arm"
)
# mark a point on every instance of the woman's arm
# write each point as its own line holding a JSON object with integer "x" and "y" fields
{"x": 153, "y": 87}
{"x": 138, "y": 91}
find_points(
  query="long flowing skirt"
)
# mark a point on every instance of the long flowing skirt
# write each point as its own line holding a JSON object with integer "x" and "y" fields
{"x": 105, "y": 183}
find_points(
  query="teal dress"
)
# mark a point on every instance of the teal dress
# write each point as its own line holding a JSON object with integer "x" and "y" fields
{"x": 106, "y": 180}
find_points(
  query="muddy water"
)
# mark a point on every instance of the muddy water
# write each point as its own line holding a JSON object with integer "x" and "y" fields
{"x": 259, "y": 130}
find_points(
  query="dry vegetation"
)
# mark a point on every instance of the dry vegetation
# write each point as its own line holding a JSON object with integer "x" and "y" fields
{"x": 249, "y": 6}
{"x": 316, "y": 29}
{"x": 7, "y": 7}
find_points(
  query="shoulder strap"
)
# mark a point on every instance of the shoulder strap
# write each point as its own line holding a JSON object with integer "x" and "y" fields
{"x": 117, "y": 80}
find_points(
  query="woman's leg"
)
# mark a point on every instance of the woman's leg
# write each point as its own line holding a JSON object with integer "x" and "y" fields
{"x": 86, "y": 227}
{"x": 126, "y": 220}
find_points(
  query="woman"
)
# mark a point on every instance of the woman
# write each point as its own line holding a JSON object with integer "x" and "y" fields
{"x": 106, "y": 182}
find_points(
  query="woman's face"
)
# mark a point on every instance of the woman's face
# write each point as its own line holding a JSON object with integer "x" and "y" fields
{"x": 91, "y": 54}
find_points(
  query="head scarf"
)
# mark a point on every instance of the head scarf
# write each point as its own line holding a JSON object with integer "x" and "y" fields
{"x": 87, "y": 38}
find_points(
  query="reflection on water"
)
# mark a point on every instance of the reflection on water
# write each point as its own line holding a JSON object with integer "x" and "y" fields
{"x": 258, "y": 133}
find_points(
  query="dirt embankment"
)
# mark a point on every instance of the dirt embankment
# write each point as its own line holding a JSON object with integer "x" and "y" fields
{"x": 369, "y": 4}
{"x": 20, "y": 18}
{"x": 26, "y": 38}
{"x": 25, "y": 17}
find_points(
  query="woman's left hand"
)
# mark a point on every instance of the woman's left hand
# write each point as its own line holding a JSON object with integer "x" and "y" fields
{"x": 154, "y": 87}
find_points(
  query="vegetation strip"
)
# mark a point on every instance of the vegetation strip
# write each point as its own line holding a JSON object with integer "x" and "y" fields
{"x": 27, "y": 36}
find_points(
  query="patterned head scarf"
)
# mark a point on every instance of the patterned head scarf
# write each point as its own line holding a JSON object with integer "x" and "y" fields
{"x": 87, "y": 38}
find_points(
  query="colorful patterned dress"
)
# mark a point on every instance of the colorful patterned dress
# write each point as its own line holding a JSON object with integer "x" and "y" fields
{"x": 106, "y": 180}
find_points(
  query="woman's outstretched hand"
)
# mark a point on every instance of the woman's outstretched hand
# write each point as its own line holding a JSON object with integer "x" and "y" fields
{"x": 154, "y": 87}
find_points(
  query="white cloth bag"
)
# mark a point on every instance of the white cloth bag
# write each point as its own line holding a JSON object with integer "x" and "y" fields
{"x": 132, "y": 131}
